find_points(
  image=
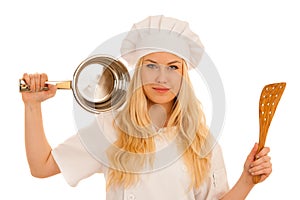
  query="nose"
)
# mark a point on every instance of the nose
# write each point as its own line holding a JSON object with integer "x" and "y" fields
{"x": 161, "y": 76}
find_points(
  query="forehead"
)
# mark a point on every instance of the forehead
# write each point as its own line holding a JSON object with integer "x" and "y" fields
{"x": 162, "y": 57}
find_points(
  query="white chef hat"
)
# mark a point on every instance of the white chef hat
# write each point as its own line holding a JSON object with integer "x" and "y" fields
{"x": 162, "y": 34}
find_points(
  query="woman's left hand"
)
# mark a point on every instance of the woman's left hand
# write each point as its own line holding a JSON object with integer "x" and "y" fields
{"x": 258, "y": 163}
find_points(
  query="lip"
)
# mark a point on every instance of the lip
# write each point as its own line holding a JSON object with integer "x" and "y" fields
{"x": 161, "y": 89}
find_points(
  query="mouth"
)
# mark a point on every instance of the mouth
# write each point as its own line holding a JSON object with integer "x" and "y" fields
{"x": 161, "y": 89}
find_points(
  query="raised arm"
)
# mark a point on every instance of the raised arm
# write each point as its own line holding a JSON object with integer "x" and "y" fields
{"x": 38, "y": 150}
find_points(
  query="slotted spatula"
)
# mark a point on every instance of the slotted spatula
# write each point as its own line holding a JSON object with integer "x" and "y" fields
{"x": 269, "y": 99}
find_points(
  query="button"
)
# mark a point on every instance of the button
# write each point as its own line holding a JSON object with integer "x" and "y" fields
{"x": 131, "y": 197}
{"x": 184, "y": 168}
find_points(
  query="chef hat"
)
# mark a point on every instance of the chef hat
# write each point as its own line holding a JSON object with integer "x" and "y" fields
{"x": 162, "y": 34}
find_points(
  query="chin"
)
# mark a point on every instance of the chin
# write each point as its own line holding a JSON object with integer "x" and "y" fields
{"x": 161, "y": 100}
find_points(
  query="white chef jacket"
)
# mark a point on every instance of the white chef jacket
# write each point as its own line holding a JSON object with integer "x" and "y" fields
{"x": 169, "y": 183}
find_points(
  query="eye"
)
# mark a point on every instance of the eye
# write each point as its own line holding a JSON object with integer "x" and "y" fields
{"x": 173, "y": 67}
{"x": 152, "y": 66}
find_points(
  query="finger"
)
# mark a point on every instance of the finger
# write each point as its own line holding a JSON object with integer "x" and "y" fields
{"x": 263, "y": 152}
{"x": 26, "y": 78}
{"x": 264, "y": 167}
{"x": 44, "y": 78}
{"x": 263, "y": 171}
{"x": 37, "y": 82}
{"x": 32, "y": 82}
{"x": 261, "y": 160}
{"x": 261, "y": 163}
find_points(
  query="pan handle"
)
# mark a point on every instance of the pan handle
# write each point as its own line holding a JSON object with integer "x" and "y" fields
{"x": 23, "y": 86}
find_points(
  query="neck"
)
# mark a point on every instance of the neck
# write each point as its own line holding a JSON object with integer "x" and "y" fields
{"x": 159, "y": 113}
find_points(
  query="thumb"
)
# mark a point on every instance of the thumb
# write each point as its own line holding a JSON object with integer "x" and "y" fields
{"x": 52, "y": 91}
{"x": 252, "y": 154}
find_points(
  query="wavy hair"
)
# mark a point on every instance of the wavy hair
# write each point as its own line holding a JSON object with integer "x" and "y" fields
{"x": 134, "y": 149}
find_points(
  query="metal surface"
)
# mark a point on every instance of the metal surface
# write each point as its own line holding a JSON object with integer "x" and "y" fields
{"x": 99, "y": 84}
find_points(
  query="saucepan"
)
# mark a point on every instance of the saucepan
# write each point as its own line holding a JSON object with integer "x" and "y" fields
{"x": 99, "y": 84}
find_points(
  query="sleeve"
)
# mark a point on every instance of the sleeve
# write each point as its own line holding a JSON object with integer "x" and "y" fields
{"x": 74, "y": 162}
{"x": 216, "y": 184}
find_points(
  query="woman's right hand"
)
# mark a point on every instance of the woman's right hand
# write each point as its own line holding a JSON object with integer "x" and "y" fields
{"x": 36, "y": 82}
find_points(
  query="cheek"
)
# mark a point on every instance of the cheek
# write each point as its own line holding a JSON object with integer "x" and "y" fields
{"x": 146, "y": 88}
{"x": 176, "y": 81}
{"x": 146, "y": 76}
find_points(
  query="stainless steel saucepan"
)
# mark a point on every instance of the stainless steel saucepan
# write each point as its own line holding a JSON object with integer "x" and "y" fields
{"x": 99, "y": 84}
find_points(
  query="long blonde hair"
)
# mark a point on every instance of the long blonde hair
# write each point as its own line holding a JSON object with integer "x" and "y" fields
{"x": 135, "y": 148}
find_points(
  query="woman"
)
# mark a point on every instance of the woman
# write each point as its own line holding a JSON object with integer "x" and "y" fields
{"x": 162, "y": 148}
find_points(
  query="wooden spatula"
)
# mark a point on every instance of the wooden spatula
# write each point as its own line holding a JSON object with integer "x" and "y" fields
{"x": 269, "y": 99}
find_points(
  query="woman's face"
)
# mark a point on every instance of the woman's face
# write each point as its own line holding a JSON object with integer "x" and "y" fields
{"x": 161, "y": 76}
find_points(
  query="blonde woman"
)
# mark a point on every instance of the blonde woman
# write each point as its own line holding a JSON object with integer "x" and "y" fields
{"x": 161, "y": 147}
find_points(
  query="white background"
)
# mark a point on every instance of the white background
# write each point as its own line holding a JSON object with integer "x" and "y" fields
{"x": 251, "y": 43}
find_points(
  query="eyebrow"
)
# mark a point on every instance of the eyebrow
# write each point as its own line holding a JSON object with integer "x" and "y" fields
{"x": 172, "y": 62}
